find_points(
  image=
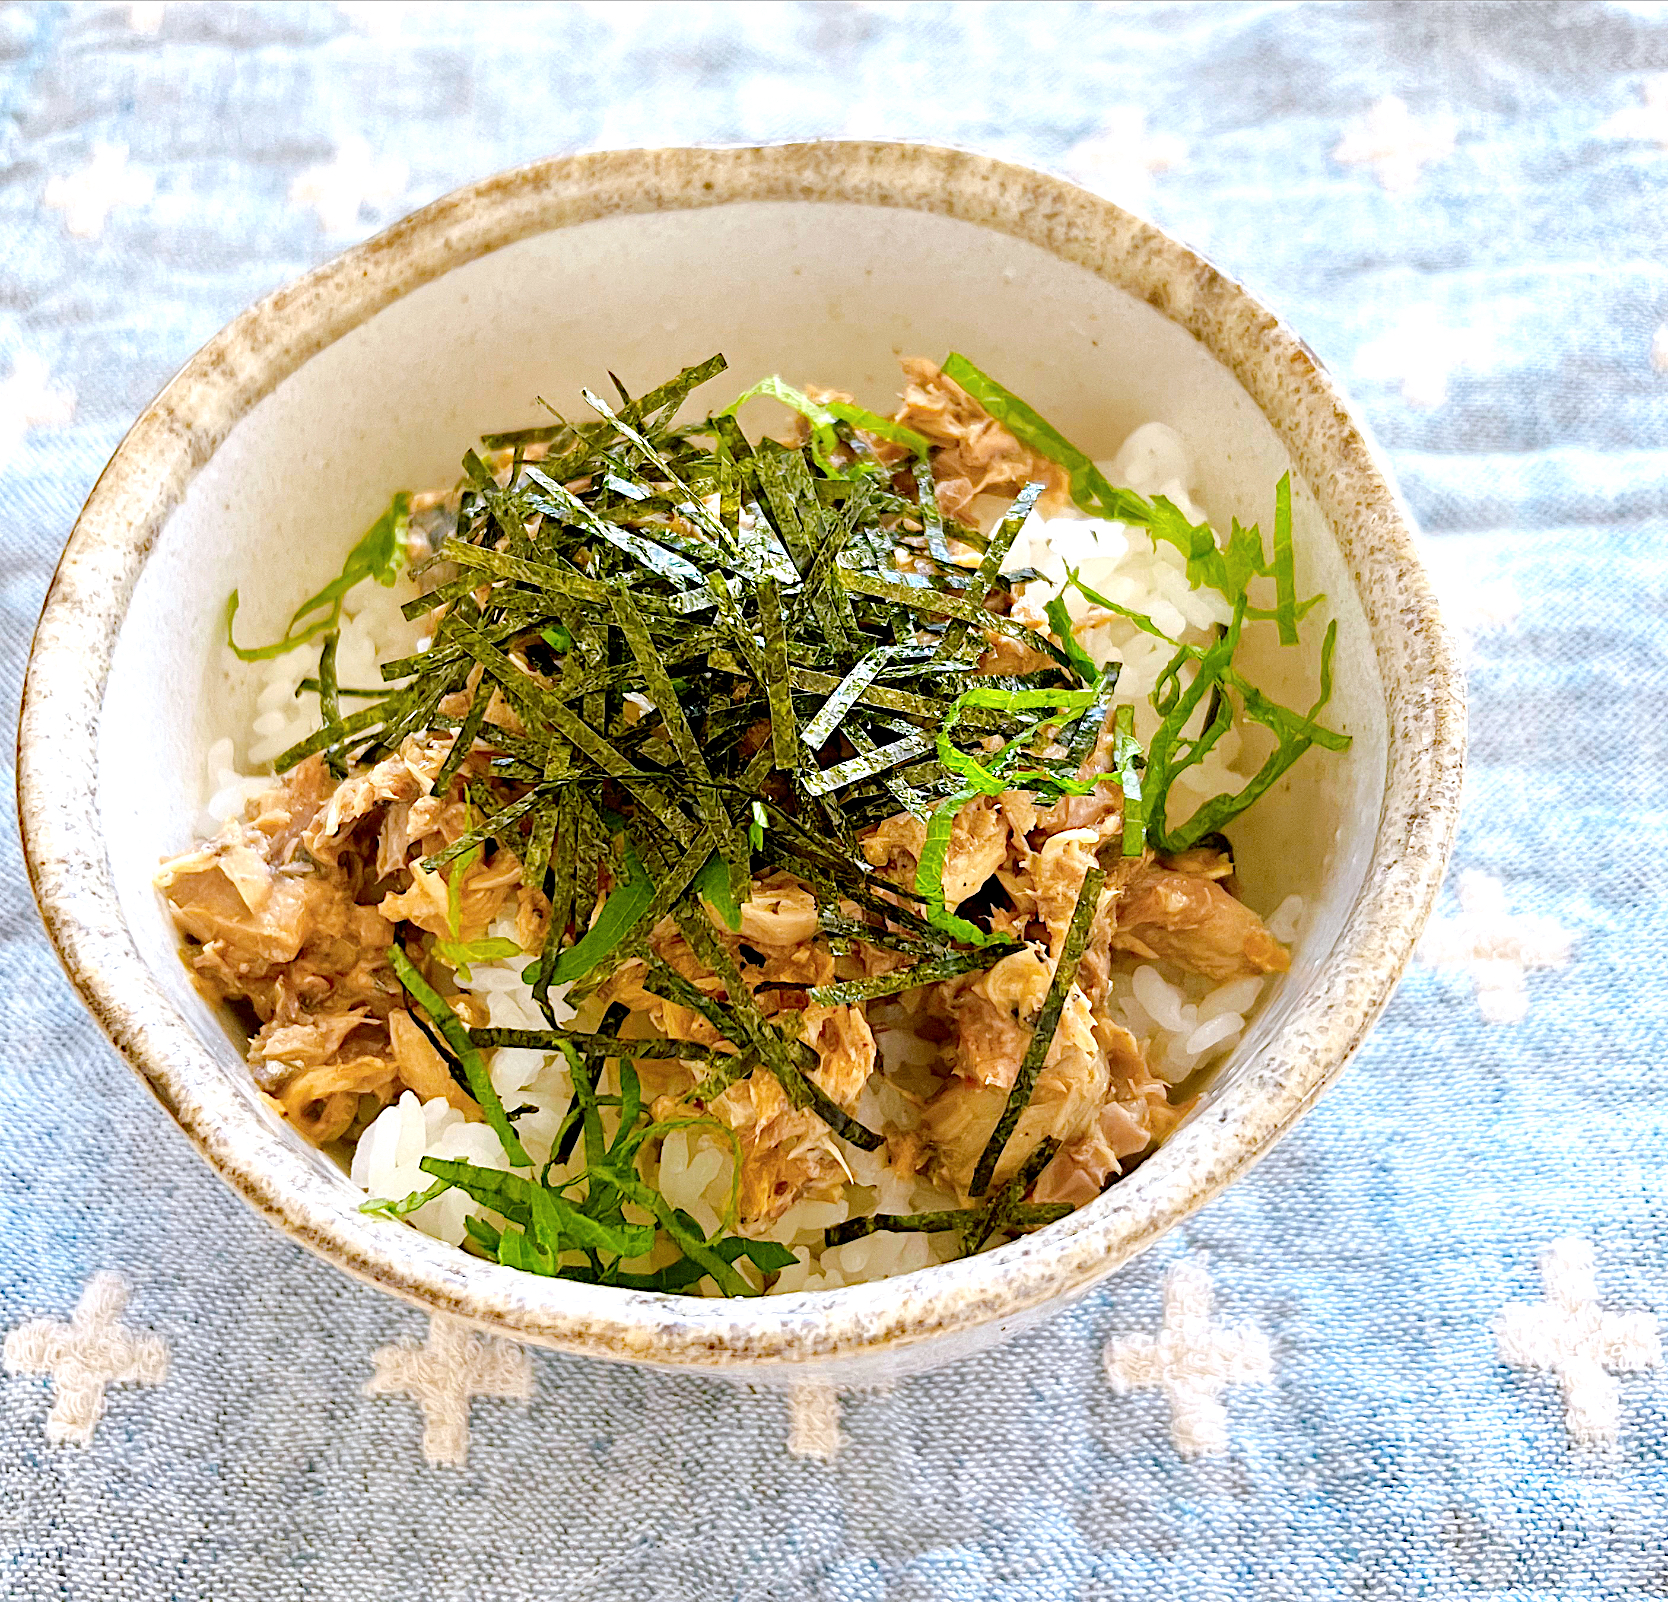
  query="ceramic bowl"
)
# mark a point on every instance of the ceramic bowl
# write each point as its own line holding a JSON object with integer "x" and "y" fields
{"x": 286, "y": 434}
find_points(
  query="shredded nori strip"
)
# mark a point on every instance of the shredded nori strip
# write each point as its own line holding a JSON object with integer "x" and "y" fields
{"x": 783, "y": 733}
{"x": 956, "y": 637}
{"x": 355, "y": 728}
{"x": 330, "y": 701}
{"x": 929, "y": 972}
{"x": 867, "y": 764}
{"x": 935, "y": 603}
{"x": 709, "y": 665}
{"x": 601, "y": 1045}
{"x": 1042, "y": 1035}
{"x": 776, "y": 1053}
{"x": 1027, "y": 1216}
{"x": 1006, "y": 1210}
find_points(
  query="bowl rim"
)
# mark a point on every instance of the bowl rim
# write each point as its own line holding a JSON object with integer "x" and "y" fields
{"x": 72, "y": 880}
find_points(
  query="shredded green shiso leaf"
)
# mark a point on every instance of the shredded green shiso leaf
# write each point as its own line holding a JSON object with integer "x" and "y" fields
{"x": 647, "y": 598}
{"x": 379, "y": 555}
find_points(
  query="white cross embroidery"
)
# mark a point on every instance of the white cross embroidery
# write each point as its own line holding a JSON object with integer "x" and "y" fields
{"x": 1192, "y": 1361}
{"x": 1571, "y": 1337}
{"x": 86, "y": 198}
{"x": 28, "y": 401}
{"x": 1396, "y": 146}
{"x": 1496, "y": 946}
{"x": 83, "y": 1356}
{"x": 1119, "y": 159}
{"x": 1421, "y": 352}
{"x": 1647, "y": 121}
{"x": 350, "y": 181}
{"x": 814, "y": 1421}
{"x": 443, "y": 1373}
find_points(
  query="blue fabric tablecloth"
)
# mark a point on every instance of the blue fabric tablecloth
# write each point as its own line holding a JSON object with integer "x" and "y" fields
{"x": 1464, "y": 208}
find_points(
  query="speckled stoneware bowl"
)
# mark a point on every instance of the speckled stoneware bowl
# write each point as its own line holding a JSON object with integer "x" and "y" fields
{"x": 286, "y": 434}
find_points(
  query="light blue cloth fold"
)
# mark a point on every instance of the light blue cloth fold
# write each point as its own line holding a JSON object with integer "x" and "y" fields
{"x": 1495, "y": 320}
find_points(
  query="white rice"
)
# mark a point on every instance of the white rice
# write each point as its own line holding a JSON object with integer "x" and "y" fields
{"x": 1131, "y": 569}
{"x": 1183, "y": 1022}
{"x": 372, "y": 631}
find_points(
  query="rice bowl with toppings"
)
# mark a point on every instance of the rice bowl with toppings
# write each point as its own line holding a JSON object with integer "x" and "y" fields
{"x": 705, "y": 863}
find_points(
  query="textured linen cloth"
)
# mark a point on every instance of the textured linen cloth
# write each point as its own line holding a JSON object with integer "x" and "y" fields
{"x": 1462, "y": 207}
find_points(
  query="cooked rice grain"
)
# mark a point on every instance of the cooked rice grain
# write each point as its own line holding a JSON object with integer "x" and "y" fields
{"x": 1183, "y": 1023}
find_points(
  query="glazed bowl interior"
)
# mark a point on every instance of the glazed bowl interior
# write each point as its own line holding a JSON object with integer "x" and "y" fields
{"x": 828, "y": 289}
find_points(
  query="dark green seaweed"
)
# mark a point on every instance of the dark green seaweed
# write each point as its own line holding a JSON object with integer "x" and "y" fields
{"x": 668, "y": 660}
{"x": 1042, "y": 1033}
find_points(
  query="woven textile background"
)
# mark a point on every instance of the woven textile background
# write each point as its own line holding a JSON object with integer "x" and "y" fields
{"x": 1464, "y": 208}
